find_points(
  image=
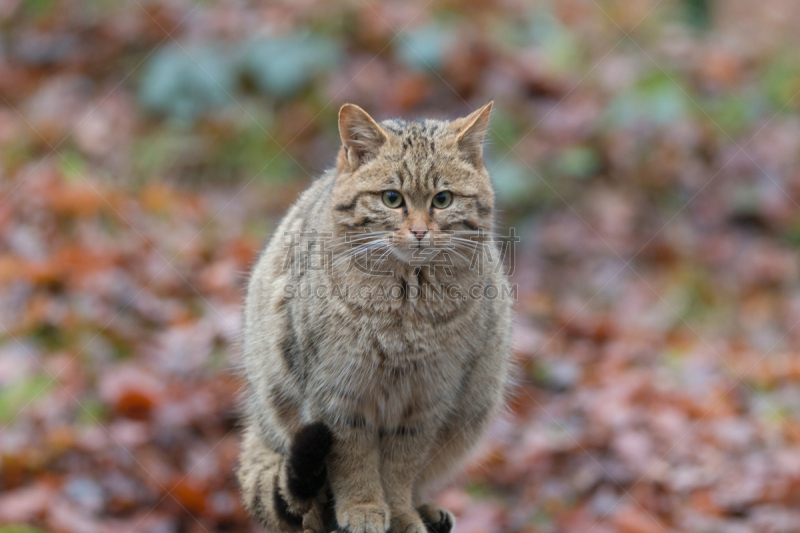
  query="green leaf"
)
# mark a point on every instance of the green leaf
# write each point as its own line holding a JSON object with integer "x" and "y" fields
{"x": 577, "y": 162}
{"x": 425, "y": 47}
{"x": 736, "y": 112}
{"x": 92, "y": 412}
{"x": 783, "y": 81}
{"x": 478, "y": 490}
{"x": 698, "y": 13}
{"x": 186, "y": 82}
{"x": 283, "y": 66}
{"x": 511, "y": 181}
{"x": 559, "y": 45}
{"x": 657, "y": 100}
{"x": 73, "y": 166}
{"x": 17, "y": 395}
{"x": 38, "y": 8}
{"x": 506, "y": 129}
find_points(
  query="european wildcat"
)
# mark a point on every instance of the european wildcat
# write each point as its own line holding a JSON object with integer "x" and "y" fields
{"x": 373, "y": 369}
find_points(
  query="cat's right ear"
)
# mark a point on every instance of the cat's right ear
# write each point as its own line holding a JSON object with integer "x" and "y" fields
{"x": 361, "y": 135}
{"x": 472, "y": 130}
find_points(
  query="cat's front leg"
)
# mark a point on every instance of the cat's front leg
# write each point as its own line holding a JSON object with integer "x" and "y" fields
{"x": 404, "y": 456}
{"x": 354, "y": 468}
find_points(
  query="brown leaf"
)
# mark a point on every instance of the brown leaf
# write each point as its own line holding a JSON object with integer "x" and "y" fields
{"x": 632, "y": 520}
{"x": 26, "y": 504}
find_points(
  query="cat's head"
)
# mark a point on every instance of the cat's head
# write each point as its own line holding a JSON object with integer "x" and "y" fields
{"x": 414, "y": 185}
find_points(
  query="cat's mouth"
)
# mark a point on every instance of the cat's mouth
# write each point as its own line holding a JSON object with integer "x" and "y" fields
{"x": 436, "y": 248}
{"x": 421, "y": 252}
{"x": 406, "y": 249}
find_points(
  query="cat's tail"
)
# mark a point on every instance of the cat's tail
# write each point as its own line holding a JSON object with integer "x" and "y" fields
{"x": 305, "y": 464}
{"x": 279, "y": 490}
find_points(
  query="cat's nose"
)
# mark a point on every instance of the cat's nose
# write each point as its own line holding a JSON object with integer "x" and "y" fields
{"x": 419, "y": 231}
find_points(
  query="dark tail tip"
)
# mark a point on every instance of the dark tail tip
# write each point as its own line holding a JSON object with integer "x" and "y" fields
{"x": 306, "y": 462}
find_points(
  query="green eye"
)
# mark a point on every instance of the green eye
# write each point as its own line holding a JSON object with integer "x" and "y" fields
{"x": 442, "y": 200}
{"x": 392, "y": 199}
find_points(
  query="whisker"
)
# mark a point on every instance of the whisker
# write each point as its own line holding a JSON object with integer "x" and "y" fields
{"x": 467, "y": 242}
{"x": 473, "y": 232}
{"x": 359, "y": 251}
{"x": 384, "y": 256}
{"x": 354, "y": 239}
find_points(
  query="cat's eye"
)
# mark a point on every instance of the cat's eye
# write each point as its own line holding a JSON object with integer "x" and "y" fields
{"x": 442, "y": 200}
{"x": 392, "y": 199}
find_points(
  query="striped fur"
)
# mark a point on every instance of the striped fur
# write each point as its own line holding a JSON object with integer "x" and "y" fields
{"x": 404, "y": 385}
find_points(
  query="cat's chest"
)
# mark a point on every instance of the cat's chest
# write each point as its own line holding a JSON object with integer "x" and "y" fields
{"x": 408, "y": 338}
{"x": 394, "y": 366}
{"x": 396, "y": 386}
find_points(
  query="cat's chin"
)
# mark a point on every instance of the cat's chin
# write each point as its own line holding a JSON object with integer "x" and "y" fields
{"x": 417, "y": 255}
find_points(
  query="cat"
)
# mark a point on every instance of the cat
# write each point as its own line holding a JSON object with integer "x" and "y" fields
{"x": 374, "y": 352}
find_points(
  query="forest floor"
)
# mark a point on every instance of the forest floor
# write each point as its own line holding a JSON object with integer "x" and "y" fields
{"x": 647, "y": 154}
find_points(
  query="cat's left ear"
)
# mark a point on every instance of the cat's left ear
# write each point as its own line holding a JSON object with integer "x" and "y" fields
{"x": 471, "y": 132}
{"x": 361, "y": 135}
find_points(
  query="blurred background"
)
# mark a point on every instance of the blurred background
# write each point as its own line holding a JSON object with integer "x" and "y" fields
{"x": 647, "y": 153}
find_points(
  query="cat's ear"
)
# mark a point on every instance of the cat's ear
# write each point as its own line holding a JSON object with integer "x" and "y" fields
{"x": 471, "y": 131}
{"x": 361, "y": 135}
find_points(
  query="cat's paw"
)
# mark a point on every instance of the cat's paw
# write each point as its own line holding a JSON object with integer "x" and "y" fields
{"x": 407, "y": 522}
{"x": 436, "y": 519}
{"x": 363, "y": 518}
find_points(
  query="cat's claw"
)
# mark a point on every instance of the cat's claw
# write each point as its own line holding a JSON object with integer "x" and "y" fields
{"x": 436, "y": 519}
